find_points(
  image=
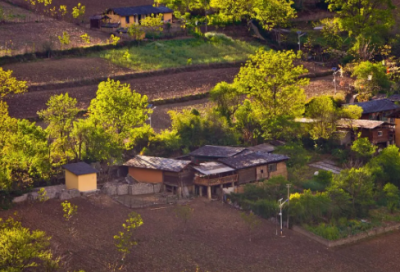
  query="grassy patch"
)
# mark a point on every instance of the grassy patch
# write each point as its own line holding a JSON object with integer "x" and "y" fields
{"x": 178, "y": 53}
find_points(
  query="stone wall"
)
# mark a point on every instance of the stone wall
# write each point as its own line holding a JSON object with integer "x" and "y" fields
{"x": 53, "y": 192}
{"x": 134, "y": 189}
{"x": 347, "y": 240}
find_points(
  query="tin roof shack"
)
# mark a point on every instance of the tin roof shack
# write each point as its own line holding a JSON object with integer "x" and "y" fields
{"x": 379, "y": 110}
{"x": 80, "y": 176}
{"x": 133, "y": 15}
{"x": 209, "y": 176}
{"x": 257, "y": 166}
{"x": 174, "y": 174}
{"x": 214, "y": 152}
{"x": 378, "y": 132}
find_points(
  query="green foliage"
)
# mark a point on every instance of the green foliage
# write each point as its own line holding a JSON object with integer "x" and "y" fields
{"x": 308, "y": 207}
{"x": 78, "y": 11}
{"x": 271, "y": 189}
{"x": 163, "y": 144}
{"x": 60, "y": 114}
{"x": 114, "y": 39}
{"x": 197, "y": 129}
{"x": 22, "y": 249}
{"x": 326, "y": 231}
{"x": 251, "y": 221}
{"x": 120, "y": 112}
{"x": 85, "y": 38}
{"x": 359, "y": 184}
{"x": 319, "y": 182}
{"x": 10, "y": 85}
{"x": 247, "y": 122}
{"x": 227, "y": 98}
{"x": 153, "y": 24}
{"x": 392, "y": 196}
{"x": 271, "y": 80}
{"x": 136, "y": 32}
{"x": 64, "y": 39}
{"x": 371, "y": 79}
{"x": 42, "y": 195}
{"x": 299, "y": 156}
{"x": 175, "y": 53}
{"x": 363, "y": 148}
{"x": 386, "y": 166}
{"x": 351, "y": 112}
{"x": 323, "y": 110}
{"x": 24, "y": 152}
{"x": 268, "y": 13}
{"x": 70, "y": 210}
{"x": 124, "y": 241}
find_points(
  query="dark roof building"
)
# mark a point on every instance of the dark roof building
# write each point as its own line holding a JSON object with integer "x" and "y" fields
{"x": 379, "y": 105}
{"x": 80, "y": 168}
{"x": 140, "y": 10}
{"x": 157, "y": 163}
{"x": 253, "y": 159}
{"x": 216, "y": 151}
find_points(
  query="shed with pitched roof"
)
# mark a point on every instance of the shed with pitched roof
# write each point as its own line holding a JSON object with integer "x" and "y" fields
{"x": 80, "y": 176}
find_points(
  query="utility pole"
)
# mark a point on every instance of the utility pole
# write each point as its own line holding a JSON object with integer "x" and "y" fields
{"x": 288, "y": 197}
{"x": 299, "y": 35}
{"x": 280, "y": 210}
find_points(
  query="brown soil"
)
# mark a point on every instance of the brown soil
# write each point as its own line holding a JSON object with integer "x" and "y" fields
{"x": 214, "y": 239}
{"x": 157, "y": 87}
{"x": 62, "y": 70}
{"x": 324, "y": 86}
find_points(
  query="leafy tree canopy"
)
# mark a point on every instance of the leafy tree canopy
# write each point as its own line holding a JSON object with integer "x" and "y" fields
{"x": 10, "y": 85}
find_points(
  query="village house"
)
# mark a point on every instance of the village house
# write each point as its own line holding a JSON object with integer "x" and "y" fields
{"x": 80, "y": 176}
{"x": 379, "y": 133}
{"x": 379, "y": 110}
{"x": 257, "y": 166}
{"x": 213, "y": 153}
{"x": 175, "y": 175}
{"x": 127, "y": 16}
{"x": 212, "y": 177}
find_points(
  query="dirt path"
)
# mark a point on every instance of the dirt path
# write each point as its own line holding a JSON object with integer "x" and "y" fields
{"x": 214, "y": 239}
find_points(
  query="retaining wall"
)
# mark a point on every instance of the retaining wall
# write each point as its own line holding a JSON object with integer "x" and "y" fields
{"x": 350, "y": 239}
{"x": 134, "y": 189}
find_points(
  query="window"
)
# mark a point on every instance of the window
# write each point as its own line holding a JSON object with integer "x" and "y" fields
{"x": 380, "y": 133}
{"x": 272, "y": 167}
{"x": 127, "y": 19}
{"x": 261, "y": 171}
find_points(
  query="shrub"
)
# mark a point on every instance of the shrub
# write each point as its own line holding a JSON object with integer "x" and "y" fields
{"x": 218, "y": 37}
{"x": 326, "y": 231}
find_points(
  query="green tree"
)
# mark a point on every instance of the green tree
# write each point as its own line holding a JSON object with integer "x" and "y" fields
{"x": 359, "y": 184}
{"x": 78, "y": 11}
{"x": 64, "y": 39}
{"x": 307, "y": 207}
{"x": 363, "y": 148}
{"x": 366, "y": 21}
{"x": 386, "y": 166}
{"x": 60, "y": 114}
{"x": 120, "y": 111}
{"x": 392, "y": 196}
{"x": 371, "y": 79}
{"x": 247, "y": 122}
{"x": 10, "y": 85}
{"x": 70, "y": 210}
{"x": 124, "y": 241}
{"x": 271, "y": 80}
{"x": 325, "y": 115}
{"x": 227, "y": 98}
{"x": 136, "y": 32}
{"x": 22, "y": 249}
{"x": 251, "y": 220}
{"x": 269, "y": 13}
{"x": 153, "y": 24}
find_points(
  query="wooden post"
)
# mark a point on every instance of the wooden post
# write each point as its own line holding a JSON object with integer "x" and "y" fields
{"x": 233, "y": 184}
{"x": 200, "y": 190}
{"x": 209, "y": 192}
{"x": 179, "y": 192}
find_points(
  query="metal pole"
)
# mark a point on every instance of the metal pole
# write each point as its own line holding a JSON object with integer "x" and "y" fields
{"x": 334, "y": 81}
{"x": 281, "y": 217}
{"x": 288, "y": 197}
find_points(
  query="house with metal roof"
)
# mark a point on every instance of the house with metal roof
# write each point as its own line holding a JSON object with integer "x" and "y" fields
{"x": 80, "y": 176}
{"x": 175, "y": 175}
{"x": 257, "y": 166}
{"x": 211, "y": 176}
{"x": 126, "y": 16}
{"x": 379, "y": 110}
{"x": 214, "y": 152}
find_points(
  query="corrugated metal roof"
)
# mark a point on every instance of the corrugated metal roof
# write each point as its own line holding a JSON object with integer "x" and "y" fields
{"x": 217, "y": 151}
{"x": 367, "y": 124}
{"x": 80, "y": 168}
{"x": 377, "y": 106}
{"x": 212, "y": 168}
{"x": 141, "y": 10}
{"x": 157, "y": 163}
{"x": 253, "y": 159}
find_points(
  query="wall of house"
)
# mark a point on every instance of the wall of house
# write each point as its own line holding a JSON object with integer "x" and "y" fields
{"x": 374, "y": 138}
{"x": 168, "y": 17}
{"x": 246, "y": 175}
{"x": 281, "y": 170}
{"x": 171, "y": 178}
{"x": 146, "y": 175}
{"x": 87, "y": 182}
{"x": 262, "y": 172}
{"x": 71, "y": 180}
{"x": 397, "y": 131}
